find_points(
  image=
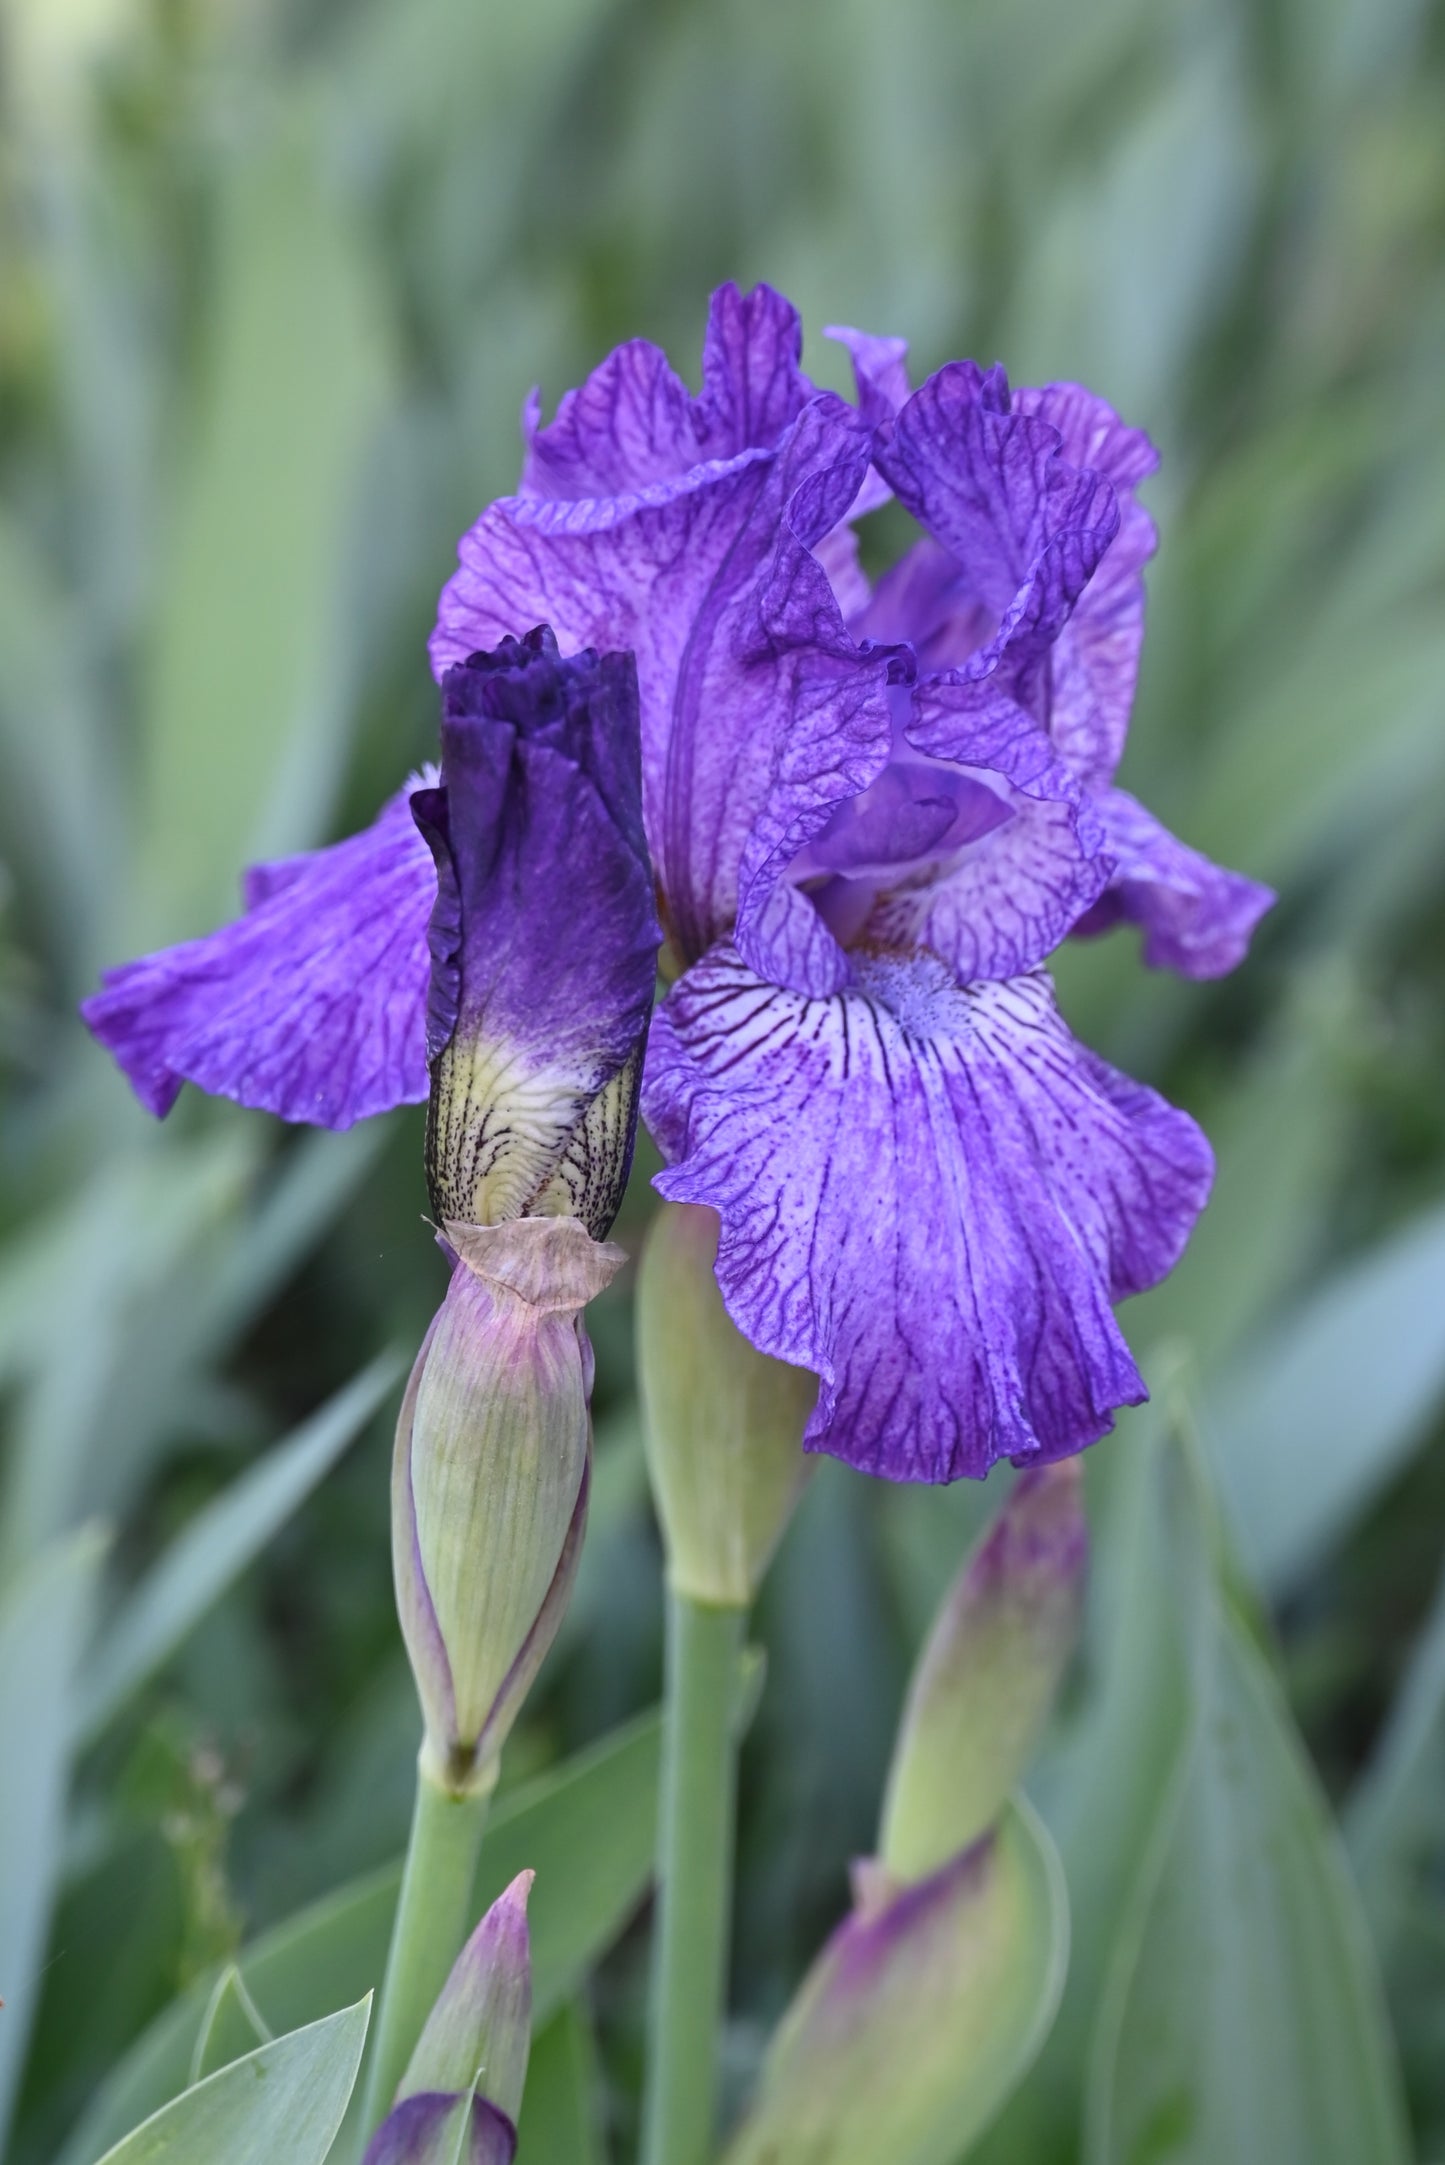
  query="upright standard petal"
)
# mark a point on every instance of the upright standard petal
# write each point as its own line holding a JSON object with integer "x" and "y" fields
{"x": 312, "y": 1005}
{"x": 1196, "y": 917}
{"x": 1026, "y": 527}
{"x": 1094, "y": 666}
{"x": 544, "y": 936}
{"x": 747, "y": 677}
{"x": 634, "y": 423}
{"x": 930, "y": 1196}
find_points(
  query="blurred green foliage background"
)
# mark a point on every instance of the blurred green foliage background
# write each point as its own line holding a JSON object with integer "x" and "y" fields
{"x": 276, "y": 278}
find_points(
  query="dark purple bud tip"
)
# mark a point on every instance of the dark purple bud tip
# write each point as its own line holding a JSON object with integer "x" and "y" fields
{"x": 543, "y": 939}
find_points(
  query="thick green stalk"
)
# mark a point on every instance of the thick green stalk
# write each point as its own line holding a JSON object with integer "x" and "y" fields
{"x": 433, "y": 1914}
{"x": 695, "y": 1861}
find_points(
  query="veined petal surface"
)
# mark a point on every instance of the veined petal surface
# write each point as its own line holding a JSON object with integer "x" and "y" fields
{"x": 1026, "y": 528}
{"x": 1196, "y": 916}
{"x": 998, "y": 902}
{"x": 1088, "y": 693}
{"x": 312, "y": 1005}
{"x": 756, "y": 705}
{"x": 930, "y": 1195}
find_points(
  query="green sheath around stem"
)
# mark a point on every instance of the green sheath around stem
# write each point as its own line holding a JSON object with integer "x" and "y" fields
{"x": 695, "y": 1862}
{"x": 433, "y": 1915}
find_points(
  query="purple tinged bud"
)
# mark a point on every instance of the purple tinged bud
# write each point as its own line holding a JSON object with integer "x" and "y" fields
{"x": 439, "y": 2129}
{"x": 723, "y": 1422}
{"x": 458, "y": 2101}
{"x": 919, "y": 2015}
{"x": 490, "y": 1479}
{"x": 987, "y": 1677}
{"x": 480, "y": 2028}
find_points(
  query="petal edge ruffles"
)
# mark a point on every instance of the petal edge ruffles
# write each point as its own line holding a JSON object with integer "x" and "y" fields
{"x": 930, "y": 1195}
{"x": 312, "y": 1005}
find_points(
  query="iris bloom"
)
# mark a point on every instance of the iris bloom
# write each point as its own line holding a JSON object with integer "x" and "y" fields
{"x": 872, "y": 815}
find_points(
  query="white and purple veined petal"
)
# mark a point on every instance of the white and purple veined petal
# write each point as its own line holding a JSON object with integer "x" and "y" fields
{"x": 931, "y": 1196}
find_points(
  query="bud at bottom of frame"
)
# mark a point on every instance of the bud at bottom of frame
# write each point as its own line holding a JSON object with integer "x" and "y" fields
{"x": 489, "y": 1481}
{"x": 458, "y": 2101}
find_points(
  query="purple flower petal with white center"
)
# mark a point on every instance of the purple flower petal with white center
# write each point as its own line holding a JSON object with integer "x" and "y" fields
{"x": 759, "y": 713}
{"x": 1196, "y": 917}
{"x": 312, "y": 1005}
{"x": 930, "y": 1196}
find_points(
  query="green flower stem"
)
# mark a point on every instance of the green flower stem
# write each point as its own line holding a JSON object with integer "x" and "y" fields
{"x": 695, "y": 1860}
{"x": 433, "y": 1913}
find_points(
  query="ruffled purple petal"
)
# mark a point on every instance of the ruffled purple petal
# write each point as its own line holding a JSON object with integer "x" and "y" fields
{"x": 425, "y": 2130}
{"x": 926, "y": 599}
{"x": 994, "y": 905}
{"x": 634, "y": 423}
{"x": 930, "y": 1196}
{"x": 1196, "y": 917}
{"x": 991, "y": 484}
{"x": 880, "y": 375}
{"x": 880, "y": 371}
{"x": 312, "y": 1005}
{"x": 757, "y": 710}
{"x": 752, "y": 379}
{"x": 1094, "y": 667}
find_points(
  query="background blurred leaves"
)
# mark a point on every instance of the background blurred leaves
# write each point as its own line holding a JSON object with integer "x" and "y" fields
{"x": 277, "y": 278}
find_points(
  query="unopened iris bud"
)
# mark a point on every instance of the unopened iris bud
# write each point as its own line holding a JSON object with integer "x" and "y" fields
{"x": 490, "y": 1479}
{"x": 918, "y": 2016}
{"x": 543, "y": 938}
{"x": 723, "y": 1422}
{"x": 458, "y": 2101}
{"x": 987, "y": 1677}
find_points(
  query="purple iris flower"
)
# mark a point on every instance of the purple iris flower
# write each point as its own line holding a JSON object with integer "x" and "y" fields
{"x": 872, "y": 815}
{"x": 489, "y": 944}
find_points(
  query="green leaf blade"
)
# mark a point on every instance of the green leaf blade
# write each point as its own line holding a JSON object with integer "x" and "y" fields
{"x": 1243, "y": 2018}
{"x": 219, "y": 1544}
{"x": 43, "y": 1622}
{"x": 284, "y": 2103}
{"x": 588, "y": 1832}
